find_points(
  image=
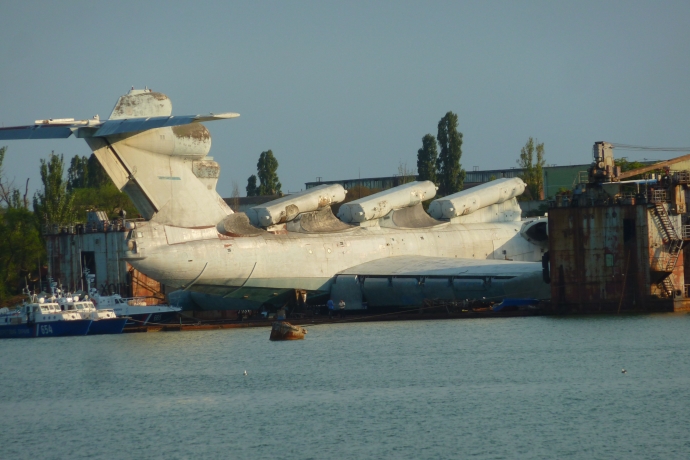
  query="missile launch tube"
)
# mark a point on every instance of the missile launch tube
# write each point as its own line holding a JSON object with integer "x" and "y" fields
{"x": 481, "y": 196}
{"x": 380, "y": 204}
{"x": 288, "y": 207}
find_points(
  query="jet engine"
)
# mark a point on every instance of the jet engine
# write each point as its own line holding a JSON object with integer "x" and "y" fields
{"x": 288, "y": 207}
{"x": 481, "y": 196}
{"x": 380, "y": 204}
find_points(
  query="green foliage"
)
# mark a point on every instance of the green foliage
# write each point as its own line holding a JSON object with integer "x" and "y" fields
{"x": 96, "y": 173}
{"x": 104, "y": 198}
{"x": 21, "y": 249}
{"x": 630, "y": 165}
{"x": 267, "y": 170}
{"x": 533, "y": 168}
{"x": 54, "y": 204}
{"x": 78, "y": 173}
{"x": 10, "y": 196}
{"x": 91, "y": 188}
{"x": 86, "y": 173}
{"x": 450, "y": 174}
{"x": 426, "y": 159}
{"x": 405, "y": 174}
{"x": 252, "y": 188}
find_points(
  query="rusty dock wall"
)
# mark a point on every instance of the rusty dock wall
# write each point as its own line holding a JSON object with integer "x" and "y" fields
{"x": 616, "y": 258}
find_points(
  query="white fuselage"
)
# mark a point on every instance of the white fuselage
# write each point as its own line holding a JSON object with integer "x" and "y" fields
{"x": 206, "y": 261}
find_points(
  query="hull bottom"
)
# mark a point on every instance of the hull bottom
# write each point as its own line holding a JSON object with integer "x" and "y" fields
{"x": 150, "y": 318}
{"x": 107, "y": 326}
{"x": 46, "y": 329}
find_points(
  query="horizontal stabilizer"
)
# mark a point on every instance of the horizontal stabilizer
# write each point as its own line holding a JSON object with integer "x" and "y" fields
{"x": 131, "y": 125}
{"x": 35, "y": 132}
{"x": 96, "y": 128}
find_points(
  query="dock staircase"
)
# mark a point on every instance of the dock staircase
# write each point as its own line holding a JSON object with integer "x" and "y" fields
{"x": 674, "y": 242}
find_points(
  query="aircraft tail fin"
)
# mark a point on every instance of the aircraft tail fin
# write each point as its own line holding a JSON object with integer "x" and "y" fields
{"x": 158, "y": 159}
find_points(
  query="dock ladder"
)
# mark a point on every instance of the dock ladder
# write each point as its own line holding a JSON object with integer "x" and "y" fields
{"x": 674, "y": 242}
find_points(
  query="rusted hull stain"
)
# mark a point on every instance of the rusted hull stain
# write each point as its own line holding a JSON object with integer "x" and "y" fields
{"x": 206, "y": 169}
{"x": 282, "y": 330}
{"x": 142, "y": 105}
{"x": 143, "y": 286}
{"x": 194, "y": 131}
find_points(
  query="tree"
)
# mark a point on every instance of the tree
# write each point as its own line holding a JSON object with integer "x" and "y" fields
{"x": 405, "y": 174}
{"x": 21, "y": 249}
{"x": 86, "y": 172}
{"x": 450, "y": 174}
{"x": 426, "y": 159}
{"x": 10, "y": 196}
{"x": 235, "y": 197}
{"x": 252, "y": 189}
{"x": 533, "y": 169}
{"x": 53, "y": 205}
{"x": 97, "y": 176}
{"x": 91, "y": 188}
{"x": 104, "y": 198}
{"x": 267, "y": 170}
{"x": 78, "y": 173}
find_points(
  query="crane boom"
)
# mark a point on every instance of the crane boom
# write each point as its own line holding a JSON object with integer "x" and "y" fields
{"x": 635, "y": 172}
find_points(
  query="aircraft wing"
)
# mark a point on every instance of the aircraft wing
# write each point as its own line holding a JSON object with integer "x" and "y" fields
{"x": 415, "y": 266}
{"x": 64, "y": 128}
{"x": 409, "y": 280}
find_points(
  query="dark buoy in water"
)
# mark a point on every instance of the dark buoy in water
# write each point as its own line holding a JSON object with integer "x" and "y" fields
{"x": 282, "y": 330}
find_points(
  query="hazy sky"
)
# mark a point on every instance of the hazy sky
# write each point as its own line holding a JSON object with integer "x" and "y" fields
{"x": 338, "y": 89}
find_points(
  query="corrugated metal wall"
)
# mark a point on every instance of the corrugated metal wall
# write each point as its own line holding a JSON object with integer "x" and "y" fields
{"x": 70, "y": 253}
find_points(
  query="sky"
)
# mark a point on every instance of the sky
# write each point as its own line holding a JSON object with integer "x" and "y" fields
{"x": 341, "y": 90}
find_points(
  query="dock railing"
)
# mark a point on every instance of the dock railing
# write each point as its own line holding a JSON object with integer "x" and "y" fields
{"x": 658, "y": 196}
{"x": 685, "y": 232}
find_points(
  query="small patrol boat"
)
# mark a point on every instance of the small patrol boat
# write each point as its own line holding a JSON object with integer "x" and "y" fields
{"x": 105, "y": 321}
{"x": 133, "y": 308}
{"x": 282, "y": 330}
{"x": 41, "y": 317}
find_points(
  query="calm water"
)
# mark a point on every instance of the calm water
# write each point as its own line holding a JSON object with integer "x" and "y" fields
{"x": 485, "y": 388}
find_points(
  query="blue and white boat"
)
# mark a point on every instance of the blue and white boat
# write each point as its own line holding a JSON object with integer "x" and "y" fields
{"x": 134, "y": 308}
{"x": 41, "y": 317}
{"x": 104, "y": 321}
